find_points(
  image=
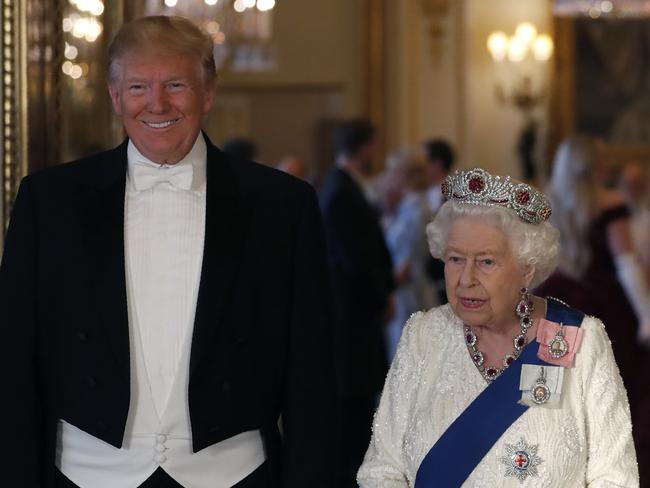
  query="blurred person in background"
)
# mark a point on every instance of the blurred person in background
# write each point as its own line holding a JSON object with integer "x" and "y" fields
{"x": 404, "y": 185}
{"x": 242, "y": 148}
{"x": 293, "y": 166}
{"x": 634, "y": 186}
{"x": 362, "y": 280}
{"x": 440, "y": 160}
{"x": 598, "y": 270}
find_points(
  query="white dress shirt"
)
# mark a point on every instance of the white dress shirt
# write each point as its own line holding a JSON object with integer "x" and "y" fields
{"x": 165, "y": 229}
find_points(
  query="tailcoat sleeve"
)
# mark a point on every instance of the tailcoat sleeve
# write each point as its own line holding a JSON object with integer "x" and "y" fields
{"x": 308, "y": 412}
{"x": 385, "y": 465}
{"x": 23, "y": 445}
{"x": 611, "y": 460}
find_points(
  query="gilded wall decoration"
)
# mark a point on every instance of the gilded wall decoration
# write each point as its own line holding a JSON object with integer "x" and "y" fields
{"x": 14, "y": 143}
{"x": 435, "y": 12}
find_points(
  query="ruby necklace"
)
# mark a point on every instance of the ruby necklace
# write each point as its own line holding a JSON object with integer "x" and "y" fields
{"x": 523, "y": 310}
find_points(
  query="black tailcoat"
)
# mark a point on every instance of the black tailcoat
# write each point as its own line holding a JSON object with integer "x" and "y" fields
{"x": 261, "y": 346}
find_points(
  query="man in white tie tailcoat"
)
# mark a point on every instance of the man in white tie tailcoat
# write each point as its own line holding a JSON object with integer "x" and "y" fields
{"x": 165, "y": 307}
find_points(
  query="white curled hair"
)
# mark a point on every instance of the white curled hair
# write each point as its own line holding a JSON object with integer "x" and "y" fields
{"x": 534, "y": 245}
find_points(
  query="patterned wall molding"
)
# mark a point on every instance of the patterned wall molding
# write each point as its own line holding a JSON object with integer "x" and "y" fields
{"x": 435, "y": 13}
{"x": 14, "y": 121}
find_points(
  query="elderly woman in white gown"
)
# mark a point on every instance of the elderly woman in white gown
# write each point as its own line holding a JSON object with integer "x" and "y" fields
{"x": 500, "y": 388}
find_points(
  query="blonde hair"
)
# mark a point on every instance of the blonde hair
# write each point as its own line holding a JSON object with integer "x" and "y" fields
{"x": 171, "y": 34}
{"x": 409, "y": 165}
{"x": 572, "y": 193}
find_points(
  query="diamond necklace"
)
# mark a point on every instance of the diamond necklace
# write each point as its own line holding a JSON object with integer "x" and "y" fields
{"x": 523, "y": 310}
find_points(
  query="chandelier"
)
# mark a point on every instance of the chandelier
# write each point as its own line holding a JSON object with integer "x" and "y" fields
{"x": 602, "y": 8}
{"x": 241, "y": 29}
{"x": 82, "y": 26}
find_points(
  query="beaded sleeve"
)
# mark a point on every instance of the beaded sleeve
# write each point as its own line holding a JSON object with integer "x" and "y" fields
{"x": 611, "y": 460}
{"x": 384, "y": 465}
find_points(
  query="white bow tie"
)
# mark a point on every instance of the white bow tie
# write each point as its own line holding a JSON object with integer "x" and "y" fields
{"x": 146, "y": 176}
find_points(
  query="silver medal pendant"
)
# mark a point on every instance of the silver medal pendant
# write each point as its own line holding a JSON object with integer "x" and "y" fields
{"x": 558, "y": 347}
{"x": 540, "y": 393}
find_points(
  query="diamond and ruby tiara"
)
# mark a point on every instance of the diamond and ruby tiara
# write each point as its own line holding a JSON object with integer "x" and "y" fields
{"x": 478, "y": 187}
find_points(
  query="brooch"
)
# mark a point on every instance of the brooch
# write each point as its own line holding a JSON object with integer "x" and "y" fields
{"x": 558, "y": 347}
{"x": 558, "y": 343}
{"x": 541, "y": 385}
{"x": 521, "y": 460}
{"x": 540, "y": 393}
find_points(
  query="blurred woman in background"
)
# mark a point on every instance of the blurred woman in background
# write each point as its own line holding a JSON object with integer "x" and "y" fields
{"x": 404, "y": 195}
{"x": 634, "y": 184}
{"x": 598, "y": 270}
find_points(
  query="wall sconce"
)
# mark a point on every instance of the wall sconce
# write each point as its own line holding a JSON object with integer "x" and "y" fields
{"x": 518, "y": 54}
{"x": 521, "y": 65}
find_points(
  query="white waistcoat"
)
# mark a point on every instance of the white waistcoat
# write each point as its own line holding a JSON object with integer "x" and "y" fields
{"x": 151, "y": 443}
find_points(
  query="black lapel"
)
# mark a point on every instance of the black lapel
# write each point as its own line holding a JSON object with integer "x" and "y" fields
{"x": 103, "y": 226}
{"x": 228, "y": 214}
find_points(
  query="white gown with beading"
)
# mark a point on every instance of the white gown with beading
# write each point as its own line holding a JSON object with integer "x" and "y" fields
{"x": 586, "y": 441}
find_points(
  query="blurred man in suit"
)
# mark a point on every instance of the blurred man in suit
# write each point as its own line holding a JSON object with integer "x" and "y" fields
{"x": 164, "y": 304}
{"x": 440, "y": 159}
{"x": 362, "y": 279}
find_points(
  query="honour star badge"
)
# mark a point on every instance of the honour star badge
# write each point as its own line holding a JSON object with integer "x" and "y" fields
{"x": 521, "y": 460}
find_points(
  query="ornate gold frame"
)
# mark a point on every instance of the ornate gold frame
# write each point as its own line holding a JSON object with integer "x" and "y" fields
{"x": 14, "y": 103}
{"x": 562, "y": 120}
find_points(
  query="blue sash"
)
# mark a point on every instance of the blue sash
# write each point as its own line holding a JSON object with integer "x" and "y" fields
{"x": 469, "y": 438}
